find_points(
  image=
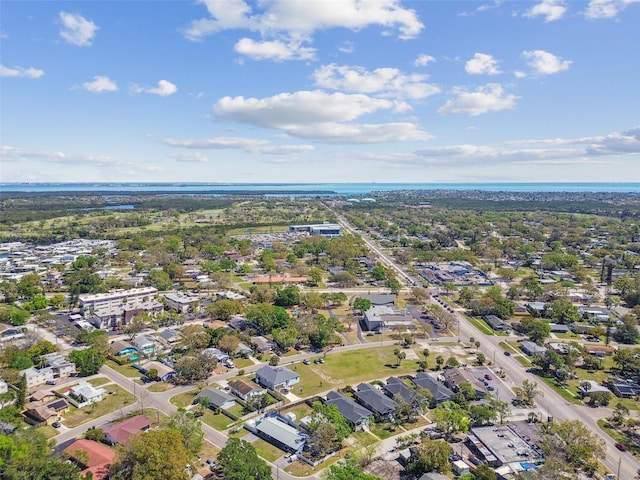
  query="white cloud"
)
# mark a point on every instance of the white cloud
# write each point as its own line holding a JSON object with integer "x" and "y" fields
{"x": 249, "y": 145}
{"x": 303, "y": 107}
{"x": 274, "y": 50}
{"x": 341, "y": 133}
{"x": 189, "y": 157}
{"x": 100, "y": 84}
{"x": 551, "y": 10}
{"x": 386, "y": 82}
{"x": 598, "y": 9}
{"x": 15, "y": 154}
{"x": 489, "y": 98}
{"x": 423, "y": 60}
{"x": 164, "y": 89}
{"x": 482, "y": 63}
{"x": 347, "y": 47}
{"x": 556, "y": 151}
{"x": 297, "y": 19}
{"x": 545, "y": 63}
{"x": 320, "y": 116}
{"x": 77, "y": 30}
{"x": 20, "y": 72}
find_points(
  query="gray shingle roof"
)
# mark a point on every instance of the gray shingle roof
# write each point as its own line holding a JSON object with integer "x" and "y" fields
{"x": 216, "y": 396}
{"x": 273, "y": 376}
{"x": 349, "y": 409}
{"x": 370, "y": 397}
{"x": 439, "y": 391}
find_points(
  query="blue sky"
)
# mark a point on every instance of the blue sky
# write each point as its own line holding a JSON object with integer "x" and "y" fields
{"x": 320, "y": 91}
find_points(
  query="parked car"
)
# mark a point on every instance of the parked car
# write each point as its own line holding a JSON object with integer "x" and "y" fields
{"x": 507, "y": 354}
{"x": 488, "y": 377}
{"x": 56, "y": 425}
{"x": 306, "y": 361}
{"x": 51, "y": 382}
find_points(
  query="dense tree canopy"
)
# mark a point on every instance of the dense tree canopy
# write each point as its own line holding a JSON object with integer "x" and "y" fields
{"x": 238, "y": 460}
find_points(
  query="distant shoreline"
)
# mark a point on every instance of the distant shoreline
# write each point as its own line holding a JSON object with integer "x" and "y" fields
{"x": 300, "y": 189}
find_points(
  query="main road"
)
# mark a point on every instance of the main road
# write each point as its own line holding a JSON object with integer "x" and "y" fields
{"x": 623, "y": 464}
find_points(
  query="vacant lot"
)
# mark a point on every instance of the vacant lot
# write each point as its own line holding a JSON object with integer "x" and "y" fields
{"x": 116, "y": 398}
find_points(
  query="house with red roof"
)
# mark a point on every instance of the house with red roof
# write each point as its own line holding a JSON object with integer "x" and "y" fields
{"x": 121, "y": 432}
{"x": 97, "y": 458}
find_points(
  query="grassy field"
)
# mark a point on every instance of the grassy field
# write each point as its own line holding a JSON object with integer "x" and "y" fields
{"x": 480, "y": 325}
{"x": 301, "y": 410}
{"x": 264, "y": 229}
{"x": 116, "y": 398}
{"x": 379, "y": 430}
{"x": 126, "y": 370}
{"x": 218, "y": 421}
{"x": 242, "y": 362}
{"x": 160, "y": 387}
{"x": 96, "y": 382}
{"x": 363, "y": 439}
{"x": 184, "y": 399}
{"x": 565, "y": 393}
{"x": 267, "y": 451}
{"x": 351, "y": 368}
{"x": 48, "y": 431}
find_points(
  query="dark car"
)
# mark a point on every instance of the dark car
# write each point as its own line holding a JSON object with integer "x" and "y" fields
{"x": 55, "y": 424}
{"x": 621, "y": 446}
{"x": 488, "y": 377}
{"x": 306, "y": 361}
{"x": 507, "y": 354}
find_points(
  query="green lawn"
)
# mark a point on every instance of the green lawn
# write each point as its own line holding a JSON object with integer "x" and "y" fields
{"x": 242, "y": 362}
{"x": 612, "y": 432}
{"x": 350, "y": 368}
{"x": 126, "y": 370}
{"x": 379, "y": 430}
{"x": 160, "y": 386}
{"x": 566, "y": 394}
{"x": 480, "y": 325}
{"x": 184, "y": 399}
{"x": 236, "y": 410}
{"x": 96, "y": 382}
{"x": 267, "y": 451}
{"x": 363, "y": 439}
{"x": 508, "y": 348}
{"x": 301, "y": 410}
{"x": 116, "y": 398}
{"x": 48, "y": 431}
{"x": 218, "y": 421}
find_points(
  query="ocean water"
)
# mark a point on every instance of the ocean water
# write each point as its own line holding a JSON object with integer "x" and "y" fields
{"x": 354, "y": 189}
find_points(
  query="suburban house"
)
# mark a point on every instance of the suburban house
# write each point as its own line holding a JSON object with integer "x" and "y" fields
{"x": 121, "y": 348}
{"x": 398, "y": 390}
{"x": 357, "y": 415}
{"x": 278, "y": 431}
{"x": 243, "y": 350}
{"x": 84, "y": 394}
{"x": 536, "y": 309}
{"x": 532, "y": 349}
{"x": 245, "y": 389}
{"x": 369, "y": 397}
{"x": 600, "y": 314}
{"x": 439, "y": 391}
{"x": 40, "y": 413}
{"x": 182, "y": 302}
{"x": 216, "y": 353}
{"x": 623, "y": 389}
{"x": 170, "y": 336}
{"x": 276, "y": 378}
{"x": 587, "y": 387}
{"x": 380, "y": 317}
{"x": 96, "y": 458}
{"x": 42, "y": 396}
{"x": 217, "y": 398}
{"x": 262, "y": 344}
{"x": 165, "y": 372}
{"x": 496, "y": 323}
{"x": 145, "y": 345}
{"x": 453, "y": 377}
{"x": 123, "y": 431}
